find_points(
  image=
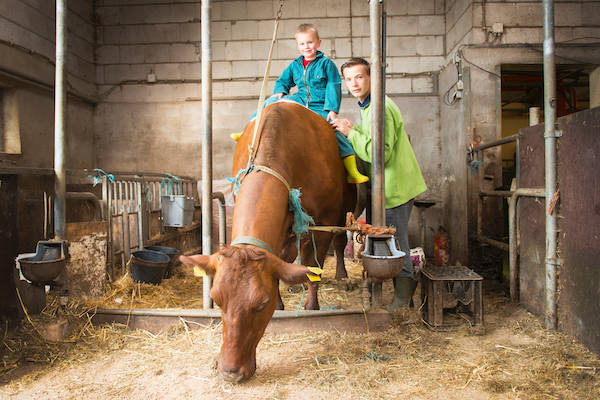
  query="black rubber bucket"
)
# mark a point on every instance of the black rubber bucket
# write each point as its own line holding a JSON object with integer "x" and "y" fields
{"x": 169, "y": 251}
{"x": 148, "y": 266}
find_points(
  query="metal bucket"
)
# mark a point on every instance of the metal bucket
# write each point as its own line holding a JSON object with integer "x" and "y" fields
{"x": 177, "y": 210}
{"x": 49, "y": 260}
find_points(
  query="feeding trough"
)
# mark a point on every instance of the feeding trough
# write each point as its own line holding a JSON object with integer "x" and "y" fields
{"x": 169, "y": 251}
{"x": 44, "y": 267}
{"x": 148, "y": 266}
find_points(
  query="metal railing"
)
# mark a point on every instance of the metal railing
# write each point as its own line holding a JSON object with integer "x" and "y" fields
{"x": 130, "y": 199}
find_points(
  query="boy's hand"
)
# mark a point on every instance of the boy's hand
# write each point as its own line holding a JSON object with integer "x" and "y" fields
{"x": 332, "y": 116}
{"x": 278, "y": 95}
{"x": 343, "y": 125}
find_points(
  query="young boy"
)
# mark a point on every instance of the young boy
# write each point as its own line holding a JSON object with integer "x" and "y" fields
{"x": 319, "y": 89}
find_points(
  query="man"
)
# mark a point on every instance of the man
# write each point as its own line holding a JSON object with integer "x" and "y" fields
{"x": 403, "y": 178}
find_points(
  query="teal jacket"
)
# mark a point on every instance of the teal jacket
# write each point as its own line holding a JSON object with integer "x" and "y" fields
{"x": 403, "y": 178}
{"x": 319, "y": 85}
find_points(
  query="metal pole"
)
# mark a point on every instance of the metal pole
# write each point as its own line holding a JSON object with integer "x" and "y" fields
{"x": 60, "y": 120}
{"x": 206, "y": 146}
{"x": 550, "y": 158}
{"x": 378, "y": 125}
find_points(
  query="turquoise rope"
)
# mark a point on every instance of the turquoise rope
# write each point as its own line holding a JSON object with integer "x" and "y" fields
{"x": 237, "y": 182}
{"x": 301, "y": 219}
{"x": 99, "y": 174}
{"x": 179, "y": 183}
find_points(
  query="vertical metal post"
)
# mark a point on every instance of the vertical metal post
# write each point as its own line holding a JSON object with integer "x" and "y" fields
{"x": 60, "y": 120}
{"x": 550, "y": 159}
{"x": 206, "y": 145}
{"x": 378, "y": 124}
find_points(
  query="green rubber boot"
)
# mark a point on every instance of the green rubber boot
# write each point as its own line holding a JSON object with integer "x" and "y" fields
{"x": 404, "y": 288}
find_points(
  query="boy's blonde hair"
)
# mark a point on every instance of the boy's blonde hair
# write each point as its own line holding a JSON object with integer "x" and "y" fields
{"x": 304, "y": 28}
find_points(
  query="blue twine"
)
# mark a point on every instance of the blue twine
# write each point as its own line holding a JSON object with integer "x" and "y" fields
{"x": 237, "y": 182}
{"x": 99, "y": 174}
{"x": 179, "y": 183}
{"x": 301, "y": 219}
{"x": 301, "y": 299}
{"x": 475, "y": 164}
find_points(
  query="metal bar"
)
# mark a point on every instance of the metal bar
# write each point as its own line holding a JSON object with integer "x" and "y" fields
{"x": 206, "y": 145}
{"x": 141, "y": 214}
{"x": 496, "y": 243}
{"x": 495, "y": 143}
{"x": 378, "y": 124}
{"x": 60, "y": 121}
{"x": 126, "y": 228}
{"x": 550, "y": 159}
{"x": 88, "y": 196}
{"x": 495, "y": 193}
{"x": 513, "y": 234}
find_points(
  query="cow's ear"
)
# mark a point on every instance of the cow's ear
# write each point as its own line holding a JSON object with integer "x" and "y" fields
{"x": 291, "y": 273}
{"x": 204, "y": 262}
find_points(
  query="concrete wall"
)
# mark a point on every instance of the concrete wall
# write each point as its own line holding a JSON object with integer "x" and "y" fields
{"x": 27, "y": 46}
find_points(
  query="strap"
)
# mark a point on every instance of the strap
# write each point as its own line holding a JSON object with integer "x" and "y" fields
{"x": 274, "y": 173}
{"x": 252, "y": 241}
{"x": 263, "y": 89}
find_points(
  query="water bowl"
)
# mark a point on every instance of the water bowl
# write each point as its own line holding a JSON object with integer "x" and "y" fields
{"x": 381, "y": 259}
{"x": 148, "y": 266}
{"x": 46, "y": 264}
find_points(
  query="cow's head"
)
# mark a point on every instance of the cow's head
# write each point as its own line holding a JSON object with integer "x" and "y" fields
{"x": 245, "y": 288}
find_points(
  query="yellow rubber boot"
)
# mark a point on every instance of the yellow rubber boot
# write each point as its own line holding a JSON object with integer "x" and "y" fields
{"x": 236, "y": 135}
{"x": 353, "y": 175}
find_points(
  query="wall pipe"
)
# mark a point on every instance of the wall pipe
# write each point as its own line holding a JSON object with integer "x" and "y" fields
{"x": 206, "y": 145}
{"x": 377, "y": 124}
{"x": 60, "y": 121}
{"x": 512, "y": 235}
{"x": 222, "y": 217}
{"x": 550, "y": 135}
{"x": 89, "y": 196}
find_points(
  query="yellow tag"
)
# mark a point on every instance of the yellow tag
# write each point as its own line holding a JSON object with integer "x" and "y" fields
{"x": 315, "y": 274}
{"x": 199, "y": 271}
{"x": 313, "y": 277}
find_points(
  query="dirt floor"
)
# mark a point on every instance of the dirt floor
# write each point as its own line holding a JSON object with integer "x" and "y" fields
{"x": 514, "y": 357}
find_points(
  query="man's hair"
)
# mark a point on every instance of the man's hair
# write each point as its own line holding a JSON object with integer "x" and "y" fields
{"x": 304, "y": 28}
{"x": 356, "y": 61}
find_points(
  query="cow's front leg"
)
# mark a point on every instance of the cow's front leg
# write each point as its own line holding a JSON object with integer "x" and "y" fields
{"x": 339, "y": 244}
{"x": 279, "y": 305}
{"x": 312, "y": 301}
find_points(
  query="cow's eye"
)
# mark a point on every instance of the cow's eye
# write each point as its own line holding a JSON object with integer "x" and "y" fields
{"x": 262, "y": 305}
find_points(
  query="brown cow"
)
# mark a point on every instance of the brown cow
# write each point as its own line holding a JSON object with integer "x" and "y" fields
{"x": 301, "y": 146}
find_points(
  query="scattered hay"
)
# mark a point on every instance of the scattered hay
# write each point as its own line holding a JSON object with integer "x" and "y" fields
{"x": 515, "y": 358}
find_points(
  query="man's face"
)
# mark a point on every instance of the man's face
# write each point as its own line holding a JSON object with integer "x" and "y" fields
{"x": 358, "y": 81}
{"x": 308, "y": 44}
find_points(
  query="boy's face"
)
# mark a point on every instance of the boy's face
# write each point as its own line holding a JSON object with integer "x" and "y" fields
{"x": 358, "y": 81}
{"x": 308, "y": 44}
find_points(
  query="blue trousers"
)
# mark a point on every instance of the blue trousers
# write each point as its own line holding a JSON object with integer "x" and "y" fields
{"x": 346, "y": 148}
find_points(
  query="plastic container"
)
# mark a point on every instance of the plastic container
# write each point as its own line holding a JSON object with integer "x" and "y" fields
{"x": 169, "y": 251}
{"x": 148, "y": 266}
{"x": 177, "y": 210}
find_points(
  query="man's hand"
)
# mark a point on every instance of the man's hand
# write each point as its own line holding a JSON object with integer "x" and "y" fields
{"x": 343, "y": 125}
